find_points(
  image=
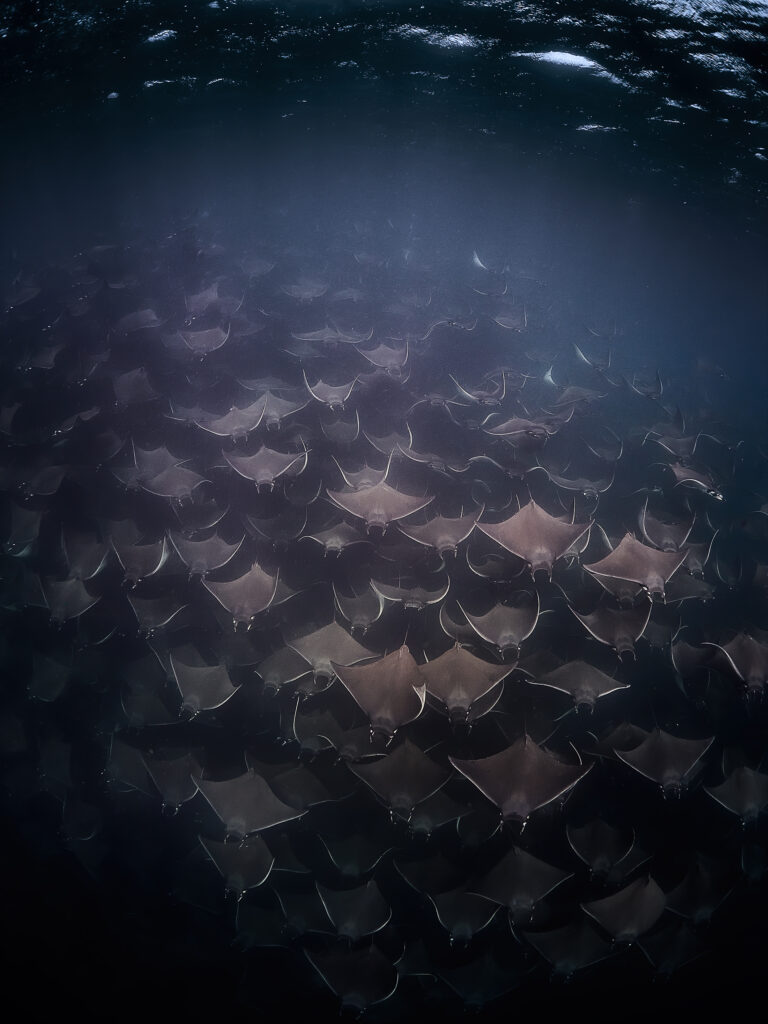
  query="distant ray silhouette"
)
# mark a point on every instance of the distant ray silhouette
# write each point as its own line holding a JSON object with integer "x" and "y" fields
{"x": 630, "y": 912}
{"x": 403, "y": 778}
{"x": 666, "y": 760}
{"x": 246, "y": 804}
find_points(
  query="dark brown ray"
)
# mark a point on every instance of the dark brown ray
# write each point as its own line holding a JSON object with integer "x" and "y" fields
{"x": 84, "y": 552}
{"x": 744, "y": 793}
{"x": 463, "y": 913}
{"x": 359, "y": 978}
{"x": 360, "y": 610}
{"x": 630, "y": 912}
{"x": 466, "y": 687}
{"x": 337, "y": 538}
{"x": 246, "y": 596}
{"x": 176, "y": 483}
{"x": 437, "y": 810}
{"x": 246, "y": 804}
{"x": 666, "y": 760}
{"x": 600, "y": 845}
{"x": 68, "y": 599}
{"x": 202, "y": 687}
{"x": 140, "y": 560}
{"x": 630, "y": 560}
{"x": 379, "y": 505}
{"x": 619, "y": 628}
{"x": 519, "y": 881}
{"x": 173, "y": 778}
{"x": 356, "y": 912}
{"x": 329, "y": 642}
{"x": 442, "y": 534}
{"x": 390, "y": 691}
{"x": 203, "y": 556}
{"x": 403, "y": 778}
{"x": 507, "y": 625}
{"x": 535, "y": 536}
{"x": 153, "y": 613}
{"x": 571, "y": 948}
{"x": 267, "y": 465}
{"x": 243, "y": 866}
{"x": 747, "y": 658}
{"x": 521, "y": 779}
{"x": 585, "y": 683}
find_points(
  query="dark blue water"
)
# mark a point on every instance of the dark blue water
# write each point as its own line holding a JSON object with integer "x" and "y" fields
{"x": 608, "y": 159}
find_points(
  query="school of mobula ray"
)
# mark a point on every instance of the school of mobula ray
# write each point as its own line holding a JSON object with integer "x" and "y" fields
{"x": 410, "y": 647}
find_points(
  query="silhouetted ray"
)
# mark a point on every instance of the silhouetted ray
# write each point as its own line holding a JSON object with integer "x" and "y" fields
{"x": 68, "y": 599}
{"x": 571, "y": 948}
{"x": 327, "y": 643}
{"x": 340, "y": 430}
{"x": 673, "y": 947}
{"x": 619, "y": 628}
{"x": 202, "y": 687}
{"x": 748, "y": 659}
{"x": 359, "y": 978}
{"x": 488, "y": 394}
{"x": 520, "y": 779}
{"x": 267, "y": 465}
{"x": 403, "y": 778}
{"x": 466, "y": 687}
{"x": 535, "y": 536}
{"x": 246, "y": 804}
{"x": 519, "y": 881}
{"x": 390, "y": 691}
{"x": 247, "y": 596}
{"x": 140, "y": 560}
{"x": 666, "y": 760}
{"x": 507, "y": 625}
{"x": 667, "y": 536}
{"x": 744, "y": 793}
{"x": 282, "y": 667}
{"x": 437, "y": 810}
{"x": 173, "y": 778}
{"x": 355, "y": 913}
{"x": 133, "y": 388}
{"x": 600, "y": 845}
{"x": 360, "y": 610}
{"x": 630, "y": 560}
{"x": 355, "y": 854}
{"x": 84, "y": 552}
{"x": 385, "y": 357}
{"x": 482, "y": 980}
{"x": 581, "y": 681}
{"x": 695, "y": 480}
{"x": 444, "y": 535}
{"x": 704, "y": 887}
{"x": 177, "y": 483}
{"x": 387, "y": 443}
{"x": 203, "y": 556}
{"x": 463, "y": 914}
{"x": 203, "y": 342}
{"x": 141, "y": 320}
{"x": 630, "y": 912}
{"x": 379, "y": 505}
{"x": 243, "y": 866}
{"x": 154, "y": 613}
